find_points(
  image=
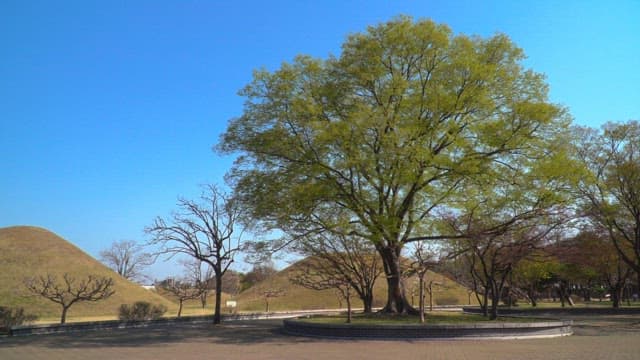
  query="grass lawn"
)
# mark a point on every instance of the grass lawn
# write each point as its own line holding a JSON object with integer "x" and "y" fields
{"x": 436, "y": 317}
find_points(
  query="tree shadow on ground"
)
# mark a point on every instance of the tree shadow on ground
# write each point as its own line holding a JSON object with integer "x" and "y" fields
{"x": 244, "y": 333}
{"x": 253, "y": 332}
{"x": 609, "y": 325}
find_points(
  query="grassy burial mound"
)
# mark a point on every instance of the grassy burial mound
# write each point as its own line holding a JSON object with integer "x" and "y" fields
{"x": 27, "y": 251}
{"x": 193, "y": 307}
{"x": 282, "y": 295}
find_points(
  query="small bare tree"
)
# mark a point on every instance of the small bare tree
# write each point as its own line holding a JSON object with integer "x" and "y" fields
{"x": 202, "y": 279}
{"x": 310, "y": 278}
{"x": 343, "y": 258}
{"x": 182, "y": 289}
{"x": 204, "y": 230}
{"x": 71, "y": 290}
{"x": 423, "y": 259}
{"x": 127, "y": 259}
{"x": 271, "y": 293}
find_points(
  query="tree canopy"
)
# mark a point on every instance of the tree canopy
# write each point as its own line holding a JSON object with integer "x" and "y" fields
{"x": 374, "y": 142}
{"x": 611, "y": 189}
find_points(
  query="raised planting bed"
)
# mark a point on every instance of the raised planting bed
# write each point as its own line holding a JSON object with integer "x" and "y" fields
{"x": 461, "y": 327}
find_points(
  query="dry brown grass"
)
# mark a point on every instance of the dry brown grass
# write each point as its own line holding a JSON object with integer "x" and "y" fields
{"x": 295, "y": 297}
{"x": 30, "y": 251}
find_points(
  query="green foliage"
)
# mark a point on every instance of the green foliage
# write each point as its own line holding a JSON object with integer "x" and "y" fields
{"x": 610, "y": 191}
{"x": 534, "y": 271}
{"x": 405, "y": 111}
{"x": 141, "y": 310}
{"x": 14, "y": 316}
{"x": 409, "y": 120}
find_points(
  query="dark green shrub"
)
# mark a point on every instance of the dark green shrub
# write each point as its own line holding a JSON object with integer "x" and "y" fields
{"x": 141, "y": 310}
{"x": 13, "y": 316}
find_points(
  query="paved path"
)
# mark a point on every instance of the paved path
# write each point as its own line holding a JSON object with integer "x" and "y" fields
{"x": 602, "y": 337}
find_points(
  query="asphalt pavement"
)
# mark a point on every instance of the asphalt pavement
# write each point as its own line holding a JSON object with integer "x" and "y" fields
{"x": 595, "y": 337}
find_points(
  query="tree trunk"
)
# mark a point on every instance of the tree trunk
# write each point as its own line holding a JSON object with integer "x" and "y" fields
{"x": 396, "y": 299}
{"x": 616, "y": 295}
{"x": 485, "y": 303}
{"x": 180, "y": 307}
{"x": 367, "y": 302}
{"x": 203, "y": 299}
{"x": 421, "y": 294}
{"x": 495, "y": 300}
{"x": 348, "y": 298}
{"x": 216, "y": 313}
{"x": 431, "y": 295}
{"x": 63, "y": 317}
{"x": 561, "y": 294}
{"x": 531, "y": 293}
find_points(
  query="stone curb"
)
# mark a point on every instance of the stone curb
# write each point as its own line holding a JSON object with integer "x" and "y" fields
{"x": 440, "y": 331}
{"x": 559, "y": 311}
{"x": 25, "y": 330}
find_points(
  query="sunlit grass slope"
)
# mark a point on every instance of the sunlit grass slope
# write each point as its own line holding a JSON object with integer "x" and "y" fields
{"x": 295, "y": 297}
{"x": 27, "y": 251}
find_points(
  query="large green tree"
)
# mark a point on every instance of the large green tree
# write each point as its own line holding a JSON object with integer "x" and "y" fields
{"x": 373, "y": 142}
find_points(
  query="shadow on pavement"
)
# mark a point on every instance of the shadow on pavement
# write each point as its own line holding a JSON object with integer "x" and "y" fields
{"x": 255, "y": 332}
{"x": 240, "y": 332}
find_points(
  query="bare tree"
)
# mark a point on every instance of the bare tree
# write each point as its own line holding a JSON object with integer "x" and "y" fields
{"x": 204, "y": 230}
{"x": 257, "y": 274}
{"x": 201, "y": 276}
{"x": 591, "y": 250}
{"x": 340, "y": 259}
{"x": 423, "y": 259}
{"x": 70, "y": 291}
{"x": 182, "y": 289}
{"x": 270, "y": 293}
{"x": 231, "y": 283}
{"x": 315, "y": 276}
{"x": 127, "y": 259}
{"x": 491, "y": 258}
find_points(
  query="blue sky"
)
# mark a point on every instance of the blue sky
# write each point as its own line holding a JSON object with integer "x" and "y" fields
{"x": 109, "y": 109}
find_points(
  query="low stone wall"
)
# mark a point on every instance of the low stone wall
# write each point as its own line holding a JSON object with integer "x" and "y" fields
{"x": 99, "y": 325}
{"x": 559, "y": 311}
{"x": 117, "y": 324}
{"x": 513, "y": 330}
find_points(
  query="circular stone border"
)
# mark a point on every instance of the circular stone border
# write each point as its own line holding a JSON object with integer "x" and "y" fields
{"x": 482, "y": 330}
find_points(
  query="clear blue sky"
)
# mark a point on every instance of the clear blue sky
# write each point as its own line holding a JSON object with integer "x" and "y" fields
{"x": 109, "y": 109}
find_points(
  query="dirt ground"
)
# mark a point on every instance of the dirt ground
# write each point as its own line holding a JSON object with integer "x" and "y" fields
{"x": 601, "y": 337}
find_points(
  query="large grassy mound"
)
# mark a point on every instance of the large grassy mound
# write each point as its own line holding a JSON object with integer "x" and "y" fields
{"x": 295, "y": 297}
{"x": 30, "y": 251}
